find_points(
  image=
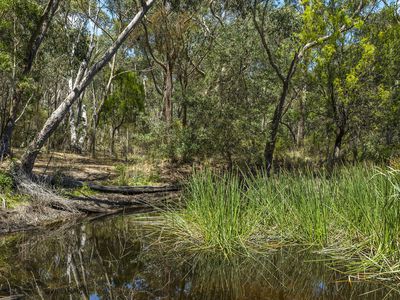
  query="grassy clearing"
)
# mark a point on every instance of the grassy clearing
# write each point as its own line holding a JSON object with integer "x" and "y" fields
{"x": 354, "y": 215}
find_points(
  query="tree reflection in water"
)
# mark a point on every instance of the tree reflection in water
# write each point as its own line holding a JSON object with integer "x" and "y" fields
{"x": 117, "y": 258}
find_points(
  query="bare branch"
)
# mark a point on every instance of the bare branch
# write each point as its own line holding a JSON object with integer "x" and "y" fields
{"x": 24, "y": 109}
{"x": 215, "y": 15}
{"x": 153, "y": 77}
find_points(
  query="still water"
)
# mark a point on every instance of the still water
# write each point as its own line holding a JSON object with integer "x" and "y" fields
{"x": 120, "y": 258}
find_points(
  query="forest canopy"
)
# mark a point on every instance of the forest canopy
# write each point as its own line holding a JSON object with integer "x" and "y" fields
{"x": 243, "y": 82}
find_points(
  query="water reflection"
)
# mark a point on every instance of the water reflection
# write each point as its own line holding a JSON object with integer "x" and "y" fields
{"x": 117, "y": 259}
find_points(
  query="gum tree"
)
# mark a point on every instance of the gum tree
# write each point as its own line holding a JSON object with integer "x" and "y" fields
{"x": 320, "y": 22}
{"x": 83, "y": 79}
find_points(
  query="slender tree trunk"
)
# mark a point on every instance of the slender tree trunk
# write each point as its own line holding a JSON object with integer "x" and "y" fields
{"x": 167, "y": 95}
{"x": 72, "y": 130}
{"x": 183, "y": 79}
{"x": 29, "y": 157}
{"x": 5, "y": 142}
{"x": 83, "y": 128}
{"x": 273, "y": 132}
{"x": 184, "y": 113}
{"x": 33, "y": 47}
{"x": 338, "y": 145}
{"x": 93, "y": 142}
{"x": 301, "y": 123}
{"x": 112, "y": 144}
{"x": 113, "y": 131}
{"x": 73, "y": 117}
{"x": 127, "y": 144}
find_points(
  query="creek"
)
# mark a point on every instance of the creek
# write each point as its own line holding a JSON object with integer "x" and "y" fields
{"x": 120, "y": 258}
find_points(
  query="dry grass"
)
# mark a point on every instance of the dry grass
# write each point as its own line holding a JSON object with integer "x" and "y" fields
{"x": 42, "y": 195}
{"x": 103, "y": 168}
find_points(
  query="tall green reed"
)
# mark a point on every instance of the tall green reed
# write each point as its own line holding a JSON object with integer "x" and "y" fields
{"x": 354, "y": 212}
{"x": 218, "y": 213}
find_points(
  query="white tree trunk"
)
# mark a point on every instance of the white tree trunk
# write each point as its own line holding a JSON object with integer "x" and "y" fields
{"x": 83, "y": 127}
{"x": 30, "y": 154}
{"x": 72, "y": 127}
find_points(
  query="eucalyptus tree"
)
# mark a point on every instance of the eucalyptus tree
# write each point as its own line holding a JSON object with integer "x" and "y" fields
{"x": 345, "y": 74}
{"x": 317, "y": 22}
{"x": 383, "y": 31}
{"x": 123, "y": 104}
{"x": 165, "y": 46}
{"x": 33, "y": 35}
{"x": 77, "y": 24}
{"x": 85, "y": 76}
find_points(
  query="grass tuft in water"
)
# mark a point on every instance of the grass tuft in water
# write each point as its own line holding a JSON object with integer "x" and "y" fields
{"x": 218, "y": 215}
{"x": 353, "y": 214}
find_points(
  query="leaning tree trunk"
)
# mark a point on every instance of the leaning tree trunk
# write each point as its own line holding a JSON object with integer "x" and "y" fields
{"x": 51, "y": 124}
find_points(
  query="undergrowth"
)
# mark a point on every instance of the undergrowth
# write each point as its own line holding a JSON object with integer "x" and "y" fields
{"x": 9, "y": 198}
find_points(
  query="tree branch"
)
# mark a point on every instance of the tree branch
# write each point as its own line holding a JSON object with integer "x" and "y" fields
{"x": 158, "y": 61}
{"x": 328, "y": 36}
{"x": 260, "y": 30}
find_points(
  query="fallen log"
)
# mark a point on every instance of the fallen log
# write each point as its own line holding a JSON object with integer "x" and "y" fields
{"x": 68, "y": 182}
{"x": 115, "y": 202}
{"x": 133, "y": 190}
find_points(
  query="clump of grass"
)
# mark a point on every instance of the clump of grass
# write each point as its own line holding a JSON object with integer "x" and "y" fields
{"x": 218, "y": 214}
{"x": 84, "y": 190}
{"x": 6, "y": 182}
{"x": 353, "y": 213}
{"x": 131, "y": 175}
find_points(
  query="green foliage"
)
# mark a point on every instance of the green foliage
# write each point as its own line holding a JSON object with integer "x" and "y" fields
{"x": 5, "y": 61}
{"x": 6, "y": 182}
{"x": 126, "y": 100}
{"x": 18, "y": 20}
{"x": 8, "y": 196}
{"x": 85, "y": 190}
{"x": 122, "y": 174}
{"x": 218, "y": 215}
